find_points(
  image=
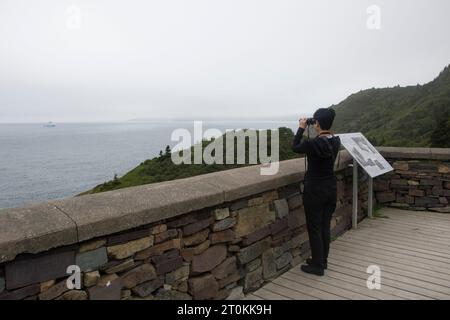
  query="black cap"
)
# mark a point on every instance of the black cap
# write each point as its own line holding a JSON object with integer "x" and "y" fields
{"x": 325, "y": 117}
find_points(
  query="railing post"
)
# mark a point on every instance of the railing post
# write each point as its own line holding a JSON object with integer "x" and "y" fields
{"x": 355, "y": 195}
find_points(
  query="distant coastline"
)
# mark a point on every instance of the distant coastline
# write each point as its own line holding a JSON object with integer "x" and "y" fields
{"x": 219, "y": 119}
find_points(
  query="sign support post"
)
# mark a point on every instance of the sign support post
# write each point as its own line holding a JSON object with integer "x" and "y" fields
{"x": 355, "y": 195}
{"x": 369, "y": 198}
{"x": 370, "y": 160}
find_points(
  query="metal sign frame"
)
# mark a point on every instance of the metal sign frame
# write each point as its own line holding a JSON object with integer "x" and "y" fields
{"x": 372, "y": 162}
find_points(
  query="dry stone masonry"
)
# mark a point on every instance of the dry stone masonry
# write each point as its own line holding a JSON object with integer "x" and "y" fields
{"x": 420, "y": 181}
{"x": 217, "y": 236}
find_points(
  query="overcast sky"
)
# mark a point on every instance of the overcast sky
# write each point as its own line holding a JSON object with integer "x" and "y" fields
{"x": 112, "y": 60}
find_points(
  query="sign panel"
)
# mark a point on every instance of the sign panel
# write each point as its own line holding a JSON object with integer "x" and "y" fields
{"x": 365, "y": 154}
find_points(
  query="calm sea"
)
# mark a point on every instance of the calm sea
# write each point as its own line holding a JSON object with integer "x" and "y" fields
{"x": 38, "y": 163}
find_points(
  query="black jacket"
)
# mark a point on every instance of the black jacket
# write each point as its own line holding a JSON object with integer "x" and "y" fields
{"x": 320, "y": 151}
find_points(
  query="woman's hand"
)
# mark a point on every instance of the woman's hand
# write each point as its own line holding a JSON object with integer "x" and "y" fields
{"x": 302, "y": 123}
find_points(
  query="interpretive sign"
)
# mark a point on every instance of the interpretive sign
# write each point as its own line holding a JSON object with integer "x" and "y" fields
{"x": 365, "y": 154}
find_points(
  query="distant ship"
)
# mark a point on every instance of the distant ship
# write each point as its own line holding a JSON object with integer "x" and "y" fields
{"x": 50, "y": 125}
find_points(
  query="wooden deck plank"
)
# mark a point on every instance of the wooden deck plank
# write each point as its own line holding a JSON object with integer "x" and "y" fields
{"x": 403, "y": 269}
{"x": 417, "y": 214}
{"x": 286, "y": 289}
{"x": 360, "y": 279}
{"x": 443, "y": 219}
{"x": 269, "y": 295}
{"x": 327, "y": 287}
{"x": 251, "y": 296}
{"x": 407, "y": 286}
{"x": 358, "y": 286}
{"x": 395, "y": 251}
{"x": 432, "y": 226}
{"x": 398, "y": 236}
{"x": 385, "y": 258}
{"x": 420, "y": 287}
{"x": 398, "y": 288}
{"x": 411, "y": 248}
{"x": 397, "y": 242}
{"x": 399, "y": 253}
{"x": 439, "y": 228}
{"x": 296, "y": 284}
{"x": 410, "y": 220}
{"x": 440, "y": 238}
{"x": 412, "y": 234}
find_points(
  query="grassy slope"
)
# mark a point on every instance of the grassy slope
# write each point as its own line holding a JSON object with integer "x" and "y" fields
{"x": 163, "y": 169}
{"x": 396, "y": 116}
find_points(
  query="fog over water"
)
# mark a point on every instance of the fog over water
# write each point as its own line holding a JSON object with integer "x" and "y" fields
{"x": 39, "y": 163}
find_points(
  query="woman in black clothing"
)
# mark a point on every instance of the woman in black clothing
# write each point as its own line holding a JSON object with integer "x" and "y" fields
{"x": 320, "y": 192}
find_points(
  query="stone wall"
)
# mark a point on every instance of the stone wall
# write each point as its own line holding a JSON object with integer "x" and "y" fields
{"x": 420, "y": 180}
{"x": 210, "y": 253}
{"x": 215, "y": 236}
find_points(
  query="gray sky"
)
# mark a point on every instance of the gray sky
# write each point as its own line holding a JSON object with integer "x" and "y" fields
{"x": 125, "y": 59}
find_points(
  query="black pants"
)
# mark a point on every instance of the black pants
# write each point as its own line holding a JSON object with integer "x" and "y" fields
{"x": 319, "y": 199}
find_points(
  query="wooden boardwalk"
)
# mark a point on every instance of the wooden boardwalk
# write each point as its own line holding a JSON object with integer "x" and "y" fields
{"x": 411, "y": 248}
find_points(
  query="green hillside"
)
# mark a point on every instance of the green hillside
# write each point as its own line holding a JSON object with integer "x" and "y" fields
{"x": 414, "y": 116}
{"x": 410, "y": 116}
{"x": 162, "y": 168}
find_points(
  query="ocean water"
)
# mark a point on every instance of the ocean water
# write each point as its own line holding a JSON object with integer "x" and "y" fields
{"x": 39, "y": 163}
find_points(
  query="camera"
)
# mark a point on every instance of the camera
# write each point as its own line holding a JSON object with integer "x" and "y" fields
{"x": 310, "y": 121}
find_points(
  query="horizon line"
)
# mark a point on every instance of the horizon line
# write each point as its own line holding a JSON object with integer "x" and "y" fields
{"x": 136, "y": 120}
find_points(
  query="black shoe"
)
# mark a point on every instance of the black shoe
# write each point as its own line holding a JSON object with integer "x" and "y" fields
{"x": 312, "y": 269}
{"x": 309, "y": 261}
